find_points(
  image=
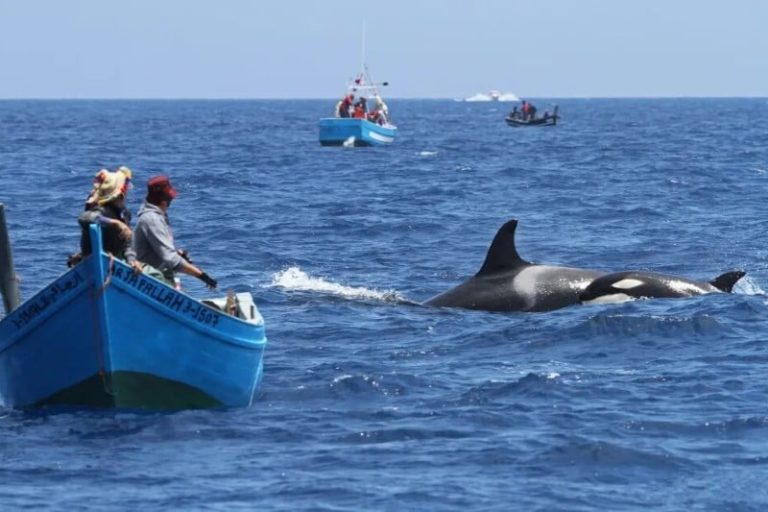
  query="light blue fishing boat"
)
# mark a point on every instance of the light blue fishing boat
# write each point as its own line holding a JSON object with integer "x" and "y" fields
{"x": 361, "y": 118}
{"x": 102, "y": 336}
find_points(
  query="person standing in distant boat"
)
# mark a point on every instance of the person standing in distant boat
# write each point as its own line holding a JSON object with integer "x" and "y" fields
{"x": 153, "y": 240}
{"x": 531, "y": 112}
{"x": 381, "y": 109}
{"x": 524, "y": 110}
{"x": 106, "y": 207}
{"x": 374, "y": 117}
{"x": 345, "y": 106}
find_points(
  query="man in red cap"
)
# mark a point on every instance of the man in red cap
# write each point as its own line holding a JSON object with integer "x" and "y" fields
{"x": 153, "y": 239}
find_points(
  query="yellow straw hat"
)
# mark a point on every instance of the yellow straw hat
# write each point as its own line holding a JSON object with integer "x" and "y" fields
{"x": 108, "y": 186}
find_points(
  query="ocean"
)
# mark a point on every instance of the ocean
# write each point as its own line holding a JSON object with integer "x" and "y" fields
{"x": 368, "y": 403}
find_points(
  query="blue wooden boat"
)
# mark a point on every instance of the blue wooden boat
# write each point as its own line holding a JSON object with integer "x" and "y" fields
{"x": 103, "y": 336}
{"x": 337, "y": 131}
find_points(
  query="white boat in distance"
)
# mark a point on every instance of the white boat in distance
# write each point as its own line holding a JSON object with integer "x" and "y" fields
{"x": 493, "y": 95}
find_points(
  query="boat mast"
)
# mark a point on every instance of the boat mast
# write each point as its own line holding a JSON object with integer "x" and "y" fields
{"x": 9, "y": 282}
{"x": 362, "y": 54}
{"x": 367, "y": 80}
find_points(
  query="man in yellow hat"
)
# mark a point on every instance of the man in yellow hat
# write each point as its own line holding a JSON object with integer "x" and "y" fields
{"x": 106, "y": 206}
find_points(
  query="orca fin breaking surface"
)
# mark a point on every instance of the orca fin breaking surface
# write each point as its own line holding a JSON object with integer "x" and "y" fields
{"x": 502, "y": 255}
{"x": 725, "y": 282}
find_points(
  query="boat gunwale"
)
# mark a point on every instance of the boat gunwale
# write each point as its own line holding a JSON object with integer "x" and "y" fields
{"x": 176, "y": 317}
{"x": 388, "y": 126}
{"x": 40, "y": 320}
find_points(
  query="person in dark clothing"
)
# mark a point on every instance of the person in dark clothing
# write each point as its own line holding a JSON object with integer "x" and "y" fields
{"x": 531, "y": 112}
{"x": 345, "y": 106}
{"x": 106, "y": 207}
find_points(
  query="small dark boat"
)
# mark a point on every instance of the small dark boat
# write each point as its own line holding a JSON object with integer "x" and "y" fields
{"x": 545, "y": 120}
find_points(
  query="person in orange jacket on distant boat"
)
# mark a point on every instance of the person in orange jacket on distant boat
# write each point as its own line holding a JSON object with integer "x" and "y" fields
{"x": 361, "y": 109}
{"x": 379, "y": 113}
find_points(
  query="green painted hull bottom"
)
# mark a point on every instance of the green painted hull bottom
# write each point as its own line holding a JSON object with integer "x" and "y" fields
{"x": 132, "y": 390}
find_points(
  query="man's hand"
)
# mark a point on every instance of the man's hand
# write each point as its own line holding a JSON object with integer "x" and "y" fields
{"x": 208, "y": 280}
{"x": 137, "y": 267}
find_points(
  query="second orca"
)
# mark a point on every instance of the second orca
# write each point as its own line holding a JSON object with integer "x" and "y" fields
{"x": 630, "y": 285}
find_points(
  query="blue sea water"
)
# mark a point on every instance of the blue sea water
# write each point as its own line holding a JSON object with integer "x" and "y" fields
{"x": 371, "y": 404}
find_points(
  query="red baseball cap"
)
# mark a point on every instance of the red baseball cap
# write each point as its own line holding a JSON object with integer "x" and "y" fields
{"x": 160, "y": 187}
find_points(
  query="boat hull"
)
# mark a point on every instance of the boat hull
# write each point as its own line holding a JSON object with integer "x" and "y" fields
{"x": 552, "y": 121}
{"x": 102, "y": 336}
{"x": 355, "y": 132}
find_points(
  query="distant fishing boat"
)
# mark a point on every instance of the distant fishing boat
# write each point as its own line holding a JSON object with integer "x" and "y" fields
{"x": 516, "y": 119}
{"x": 361, "y": 118}
{"x": 101, "y": 335}
{"x": 354, "y": 123}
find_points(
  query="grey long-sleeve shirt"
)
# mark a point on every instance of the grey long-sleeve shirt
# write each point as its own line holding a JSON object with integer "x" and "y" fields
{"x": 153, "y": 240}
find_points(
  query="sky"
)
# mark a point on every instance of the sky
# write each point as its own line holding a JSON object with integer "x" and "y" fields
{"x": 423, "y": 48}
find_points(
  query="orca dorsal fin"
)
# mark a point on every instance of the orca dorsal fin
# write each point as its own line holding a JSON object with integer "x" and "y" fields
{"x": 726, "y": 281}
{"x": 502, "y": 254}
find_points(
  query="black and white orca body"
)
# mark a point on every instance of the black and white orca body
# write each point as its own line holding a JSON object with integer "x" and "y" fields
{"x": 630, "y": 285}
{"x": 506, "y": 282}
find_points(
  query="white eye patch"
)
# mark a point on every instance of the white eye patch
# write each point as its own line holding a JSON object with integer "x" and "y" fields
{"x": 627, "y": 284}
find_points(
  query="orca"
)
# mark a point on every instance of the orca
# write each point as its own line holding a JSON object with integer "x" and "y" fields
{"x": 506, "y": 282}
{"x": 630, "y": 285}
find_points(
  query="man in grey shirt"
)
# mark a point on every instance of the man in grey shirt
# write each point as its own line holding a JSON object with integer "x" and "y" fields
{"x": 153, "y": 240}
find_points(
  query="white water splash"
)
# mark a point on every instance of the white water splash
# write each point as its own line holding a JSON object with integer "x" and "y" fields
{"x": 349, "y": 143}
{"x": 748, "y": 286}
{"x": 295, "y": 279}
{"x": 340, "y": 378}
{"x": 427, "y": 153}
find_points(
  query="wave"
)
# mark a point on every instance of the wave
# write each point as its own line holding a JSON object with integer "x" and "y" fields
{"x": 295, "y": 279}
{"x": 531, "y": 384}
{"x": 582, "y": 453}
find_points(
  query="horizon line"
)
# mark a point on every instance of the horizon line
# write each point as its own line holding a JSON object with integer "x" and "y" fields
{"x": 317, "y": 98}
